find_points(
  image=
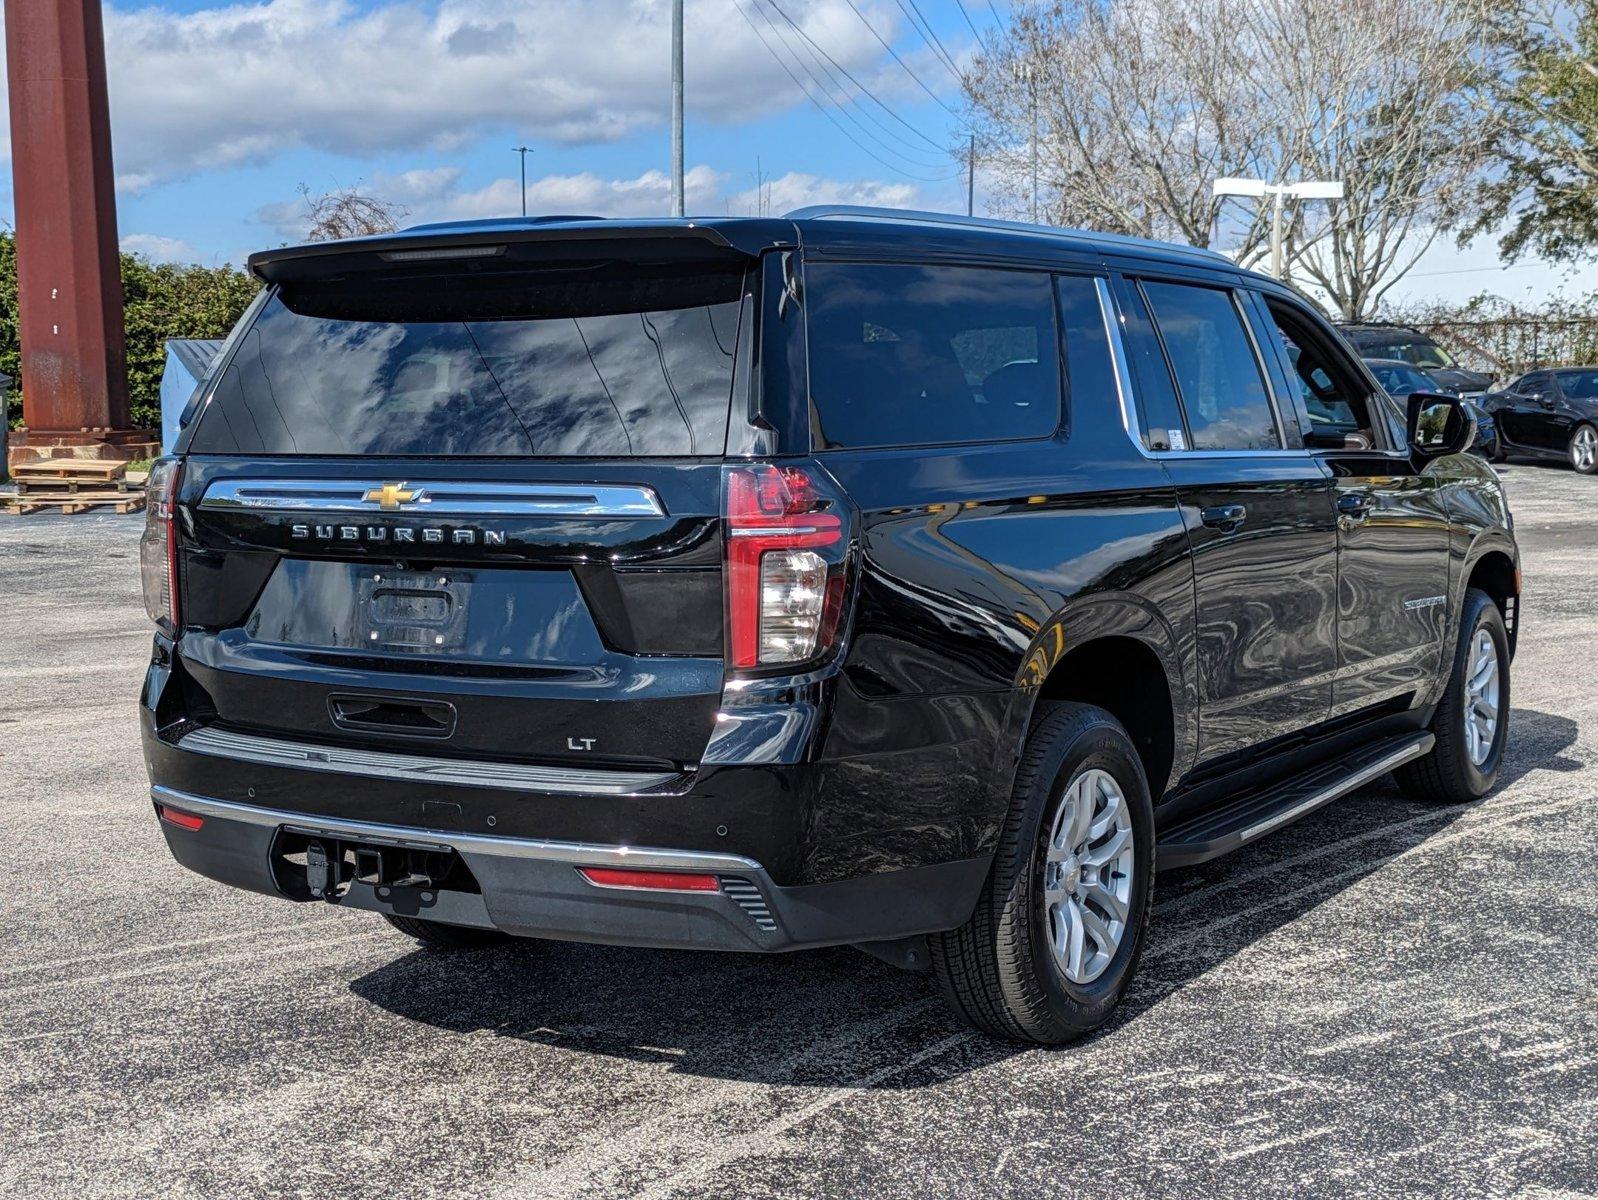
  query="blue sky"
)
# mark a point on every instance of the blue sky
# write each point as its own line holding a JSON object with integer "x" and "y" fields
{"x": 221, "y": 112}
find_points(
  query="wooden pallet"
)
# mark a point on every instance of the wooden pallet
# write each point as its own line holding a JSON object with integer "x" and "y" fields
{"x": 93, "y": 471}
{"x": 57, "y": 486}
{"x": 71, "y": 502}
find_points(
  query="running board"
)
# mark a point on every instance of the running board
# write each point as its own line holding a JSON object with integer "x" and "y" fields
{"x": 1227, "y": 826}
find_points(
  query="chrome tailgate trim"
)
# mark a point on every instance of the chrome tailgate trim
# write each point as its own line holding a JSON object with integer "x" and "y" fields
{"x": 418, "y": 768}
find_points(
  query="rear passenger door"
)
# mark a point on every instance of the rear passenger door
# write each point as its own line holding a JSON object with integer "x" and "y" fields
{"x": 1257, "y": 506}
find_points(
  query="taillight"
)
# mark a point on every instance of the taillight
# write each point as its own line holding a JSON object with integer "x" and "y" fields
{"x": 158, "y": 548}
{"x": 786, "y": 546}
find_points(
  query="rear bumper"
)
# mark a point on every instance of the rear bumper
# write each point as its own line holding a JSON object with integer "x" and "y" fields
{"x": 532, "y": 887}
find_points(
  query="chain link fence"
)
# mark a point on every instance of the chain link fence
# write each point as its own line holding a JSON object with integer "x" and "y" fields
{"x": 1509, "y": 346}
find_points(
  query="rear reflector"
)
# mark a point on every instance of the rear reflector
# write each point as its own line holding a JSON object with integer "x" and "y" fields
{"x": 182, "y": 820}
{"x": 658, "y": 881}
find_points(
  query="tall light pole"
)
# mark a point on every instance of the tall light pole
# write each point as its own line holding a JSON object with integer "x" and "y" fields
{"x": 1032, "y": 88}
{"x": 971, "y": 178}
{"x": 678, "y": 202}
{"x": 1308, "y": 189}
{"x": 524, "y": 151}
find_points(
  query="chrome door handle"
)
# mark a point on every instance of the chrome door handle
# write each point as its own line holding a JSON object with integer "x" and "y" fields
{"x": 1225, "y": 517}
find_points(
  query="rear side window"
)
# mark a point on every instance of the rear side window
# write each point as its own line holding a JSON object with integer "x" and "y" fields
{"x": 1158, "y": 412}
{"x": 922, "y": 355}
{"x": 1217, "y": 372}
{"x": 596, "y": 360}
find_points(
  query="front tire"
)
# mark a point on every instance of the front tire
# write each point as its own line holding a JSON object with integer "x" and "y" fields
{"x": 439, "y": 936}
{"x": 1057, "y": 933}
{"x": 1584, "y": 450}
{"x": 1472, "y": 720}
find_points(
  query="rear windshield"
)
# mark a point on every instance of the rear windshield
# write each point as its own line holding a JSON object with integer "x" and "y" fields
{"x": 600, "y": 359}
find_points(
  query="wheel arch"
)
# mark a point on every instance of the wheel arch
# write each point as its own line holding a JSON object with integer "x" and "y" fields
{"x": 1121, "y": 655}
{"x": 1494, "y": 568}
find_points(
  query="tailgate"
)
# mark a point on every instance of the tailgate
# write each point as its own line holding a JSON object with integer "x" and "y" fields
{"x": 467, "y": 501}
{"x": 532, "y": 615}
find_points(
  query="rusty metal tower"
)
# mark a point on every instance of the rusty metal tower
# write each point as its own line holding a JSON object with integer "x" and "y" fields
{"x": 74, "y": 380}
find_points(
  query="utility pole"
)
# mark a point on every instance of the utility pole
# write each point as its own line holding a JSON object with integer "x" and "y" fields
{"x": 678, "y": 201}
{"x": 524, "y": 152}
{"x": 971, "y": 178}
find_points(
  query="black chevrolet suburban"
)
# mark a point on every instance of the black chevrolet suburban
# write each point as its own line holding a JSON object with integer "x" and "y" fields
{"x": 912, "y": 582}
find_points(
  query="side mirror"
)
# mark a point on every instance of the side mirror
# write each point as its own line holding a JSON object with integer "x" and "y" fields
{"x": 1438, "y": 425}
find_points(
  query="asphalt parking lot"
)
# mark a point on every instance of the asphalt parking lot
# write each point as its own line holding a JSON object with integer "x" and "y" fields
{"x": 1384, "y": 999}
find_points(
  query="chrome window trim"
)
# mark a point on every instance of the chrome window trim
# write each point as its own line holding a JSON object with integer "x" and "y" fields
{"x": 1124, "y": 388}
{"x": 420, "y": 768}
{"x": 577, "y": 853}
{"x": 435, "y": 498}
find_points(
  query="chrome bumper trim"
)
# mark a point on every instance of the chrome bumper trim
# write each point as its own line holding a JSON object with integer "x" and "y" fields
{"x": 577, "y": 853}
{"x": 418, "y": 768}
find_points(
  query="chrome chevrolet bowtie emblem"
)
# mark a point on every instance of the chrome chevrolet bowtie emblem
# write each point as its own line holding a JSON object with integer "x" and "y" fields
{"x": 392, "y": 495}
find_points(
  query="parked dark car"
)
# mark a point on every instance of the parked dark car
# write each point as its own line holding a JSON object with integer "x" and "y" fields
{"x": 1401, "y": 380}
{"x": 1550, "y": 414}
{"x": 1418, "y": 350}
{"x": 905, "y": 581}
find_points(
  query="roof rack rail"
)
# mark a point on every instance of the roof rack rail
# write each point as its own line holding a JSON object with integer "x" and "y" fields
{"x": 822, "y": 212}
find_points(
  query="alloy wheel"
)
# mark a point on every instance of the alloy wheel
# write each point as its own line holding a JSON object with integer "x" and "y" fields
{"x": 1087, "y": 875}
{"x": 1584, "y": 449}
{"x": 1483, "y": 695}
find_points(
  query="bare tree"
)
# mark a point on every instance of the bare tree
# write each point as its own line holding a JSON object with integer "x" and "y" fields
{"x": 1140, "y": 105}
{"x": 349, "y": 212}
{"x": 1137, "y": 107}
{"x": 1376, "y": 93}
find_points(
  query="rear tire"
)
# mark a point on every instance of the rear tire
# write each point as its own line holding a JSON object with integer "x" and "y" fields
{"x": 1464, "y": 763}
{"x": 1583, "y": 450}
{"x": 439, "y": 936}
{"x": 1008, "y": 970}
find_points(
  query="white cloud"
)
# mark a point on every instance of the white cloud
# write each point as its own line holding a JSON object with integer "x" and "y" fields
{"x": 434, "y": 194}
{"x": 158, "y": 248}
{"x": 242, "y": 83}
{"x": 797, "y": 189}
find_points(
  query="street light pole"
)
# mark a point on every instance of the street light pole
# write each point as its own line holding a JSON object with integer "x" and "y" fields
{"x": 1308, "y": 189}
{"x": 678, "y": 201}
{"x": 1280, "y": 195}
{"x": 524, "y": 151}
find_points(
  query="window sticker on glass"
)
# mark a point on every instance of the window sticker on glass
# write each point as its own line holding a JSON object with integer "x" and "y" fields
{"x": 1175, "y": 439}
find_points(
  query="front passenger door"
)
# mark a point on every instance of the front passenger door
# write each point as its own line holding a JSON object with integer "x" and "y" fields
{"x": 1392, "y": 526}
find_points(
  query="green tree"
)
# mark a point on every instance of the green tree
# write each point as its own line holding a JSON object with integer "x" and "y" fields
{"x": 166, "y": 300}
{"x": 159, "y": 301}
{"x": 1541, "y": 100}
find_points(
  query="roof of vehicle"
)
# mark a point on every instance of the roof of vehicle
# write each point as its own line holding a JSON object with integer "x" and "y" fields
{"x": 1394, "y": 362}
{"x": 1382, "y": 327}
{"x": 822, "y": 224}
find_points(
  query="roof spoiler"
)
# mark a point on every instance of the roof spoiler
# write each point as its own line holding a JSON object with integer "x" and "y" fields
{"x": 508, "y": 239}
